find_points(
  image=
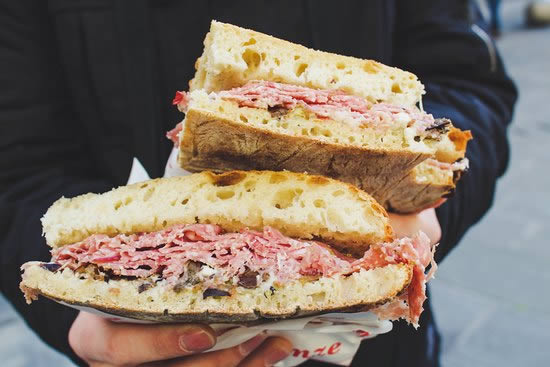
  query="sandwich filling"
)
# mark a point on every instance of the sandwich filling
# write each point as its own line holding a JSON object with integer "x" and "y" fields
{"x": 204, "y": 256}
{"x": 325, "y": 104}
{"x": 461, "y": 165}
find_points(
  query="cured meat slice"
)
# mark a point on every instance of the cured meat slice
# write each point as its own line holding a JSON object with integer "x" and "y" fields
{"x": 334, "y": 104}
{"x": 204, "y": 253}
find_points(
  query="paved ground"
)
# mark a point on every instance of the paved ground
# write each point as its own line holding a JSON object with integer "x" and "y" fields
{"x": 492, "y": 294}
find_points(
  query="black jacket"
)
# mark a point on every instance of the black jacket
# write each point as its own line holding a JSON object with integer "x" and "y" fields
{"x": 87, "y": 84}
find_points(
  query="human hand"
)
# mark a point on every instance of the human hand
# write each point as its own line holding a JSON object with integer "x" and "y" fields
{"x": 102, "y": 343}
{"x": 409, "y": 224}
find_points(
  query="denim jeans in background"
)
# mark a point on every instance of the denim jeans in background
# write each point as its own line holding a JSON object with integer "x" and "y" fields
{"x": 494, "y": 8}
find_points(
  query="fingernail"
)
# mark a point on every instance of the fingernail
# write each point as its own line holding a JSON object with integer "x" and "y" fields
{"x": 196, "y": 341}
{"x": 275, "y": 355}
{"x": 248, "y": 346}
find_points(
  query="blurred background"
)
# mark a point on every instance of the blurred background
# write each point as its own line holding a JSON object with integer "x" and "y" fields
{"x": 491, "y": 295}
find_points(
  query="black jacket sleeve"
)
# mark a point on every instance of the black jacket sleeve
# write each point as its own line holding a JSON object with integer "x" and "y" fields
{"x": 466, "y": 82}
{"x": 43, "y": 155}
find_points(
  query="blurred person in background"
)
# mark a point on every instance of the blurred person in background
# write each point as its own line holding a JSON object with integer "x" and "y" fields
{"x": 494, "y": 20}
{"x": 538, "y": 13}
{"x": 87, "y": 86}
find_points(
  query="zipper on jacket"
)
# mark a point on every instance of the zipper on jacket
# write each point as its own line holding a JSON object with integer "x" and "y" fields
{"x": 480, "y": 32}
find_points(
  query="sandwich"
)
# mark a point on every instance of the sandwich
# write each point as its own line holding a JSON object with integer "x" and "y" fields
{"x": 257, "y": 102}
{"x": 237, "y": 247}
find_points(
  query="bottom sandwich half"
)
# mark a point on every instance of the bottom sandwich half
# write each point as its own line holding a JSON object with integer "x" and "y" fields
{"x": 214, "y": 248}
{"x": 359, "y": 291}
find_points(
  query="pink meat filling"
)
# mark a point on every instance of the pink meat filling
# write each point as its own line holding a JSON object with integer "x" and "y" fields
{"x": 460, "y": 165}
{"x": 174, "y": 134}
{"x": 334, "y": 104}
{"x": 166, "y": 253}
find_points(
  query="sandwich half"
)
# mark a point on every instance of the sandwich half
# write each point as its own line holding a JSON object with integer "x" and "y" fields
{"x": 258, "y": 102}
{"x": 237, "y": 247}
{"x": 428, "y": 185}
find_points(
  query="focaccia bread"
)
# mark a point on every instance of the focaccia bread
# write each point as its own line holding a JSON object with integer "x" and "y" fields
{"x": 234, "y": 247}
{"x": 258, "y": 102}
{"x": 233, "y": 56}
{"x": 299, "y": 205}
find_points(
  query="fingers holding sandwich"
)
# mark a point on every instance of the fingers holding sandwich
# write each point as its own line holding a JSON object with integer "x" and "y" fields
{"x": 256, "y": 352}
{"x": 409, "y": 224}
{"x": 102, "y": 343}
{"x": 270, "y": 352}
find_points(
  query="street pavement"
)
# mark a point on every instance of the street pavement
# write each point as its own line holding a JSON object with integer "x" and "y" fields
{"x": 491, "y": 294}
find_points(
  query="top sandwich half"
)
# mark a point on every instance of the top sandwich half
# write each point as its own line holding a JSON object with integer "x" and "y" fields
{"x": 258, "y": 102}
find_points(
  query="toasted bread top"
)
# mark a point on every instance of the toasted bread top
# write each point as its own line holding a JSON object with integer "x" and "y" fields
{"x": 233, "y": 55}
{"x": 299, "y": 205}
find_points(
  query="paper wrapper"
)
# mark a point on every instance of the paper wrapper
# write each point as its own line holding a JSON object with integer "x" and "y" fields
{"x": 333, "y": 337}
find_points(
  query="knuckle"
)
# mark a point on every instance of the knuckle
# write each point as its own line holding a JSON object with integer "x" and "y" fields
{"x": 75, "y": 339}
{"x": 227, "y": 358}
{"x": 231, "y": 357}
{"x": 167, "y": 343}
{"x": 110, "y": 350}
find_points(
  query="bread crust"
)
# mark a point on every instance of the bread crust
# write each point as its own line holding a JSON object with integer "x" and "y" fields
{"x": 212, "y": 141}
{"x": 248, "y": 319}
{"x": 453, "y": 146}
{"x": 412, "y": 195}
{"x": 116, "y": 298}
{"x": 460, "y": 139}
